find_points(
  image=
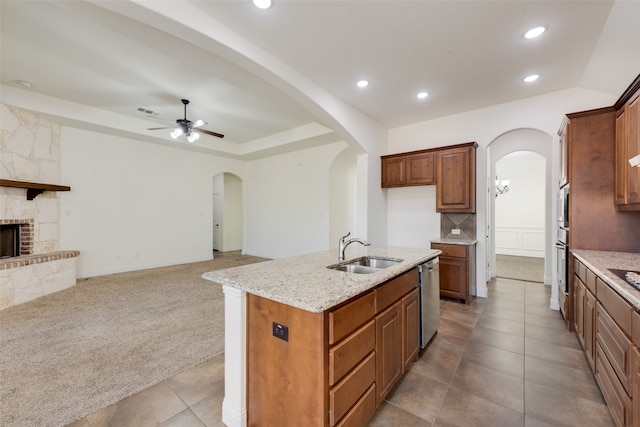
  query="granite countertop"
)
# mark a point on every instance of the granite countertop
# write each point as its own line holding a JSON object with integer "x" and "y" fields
{"x": 600, "y": 262}
{"x": 466, "y": 242}
{"x": 305, "y": 281}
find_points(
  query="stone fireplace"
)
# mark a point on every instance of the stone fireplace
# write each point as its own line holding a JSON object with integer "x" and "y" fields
{"x": 30, "y": 153}
{"x": 16, "y": 237}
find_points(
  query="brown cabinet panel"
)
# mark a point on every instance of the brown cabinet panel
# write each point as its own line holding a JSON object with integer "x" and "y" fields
{"x": 619, "y": 309}
{"x": 590, "y": 328}
{"x": 393, "y": 172}
{"x": 345, "y": 356}
{"x": 410, "y": 328}
{"x": 391, "y": 292}
{"x": 347, "y": 318}
{"x": 455, "y": 177}
{"x": 362, "y": 411}
{"x": 627, "y": 179}
{"x": 635, "y": 387}
{"x": 388, "y": 350}
{"x": 579, "y": 298}
{"x": 421, "y": 169}
{"x": 615, "y": 346}
{"x": 617, "y": 399}
{"x": 633, "y": 149}
{"x": 457, "y": 278}
{"x": 348, "y": 391}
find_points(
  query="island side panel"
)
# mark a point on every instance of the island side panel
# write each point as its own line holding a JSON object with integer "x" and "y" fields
{"x": 287, "y": 380}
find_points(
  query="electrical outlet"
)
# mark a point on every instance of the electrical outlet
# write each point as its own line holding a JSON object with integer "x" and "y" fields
{"x": 281, "y": 331}
{"x": 455, "y": 231}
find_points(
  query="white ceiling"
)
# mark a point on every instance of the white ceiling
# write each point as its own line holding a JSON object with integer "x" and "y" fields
{"x": 97, "y": 62}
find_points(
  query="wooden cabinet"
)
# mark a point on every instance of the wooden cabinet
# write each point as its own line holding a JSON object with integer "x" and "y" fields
{"x": 456, "y": 179}
{"x": 407, "y": 169}
{"x": 627, "y": 179}
{"x": 609, "y": 330}
{"x": 562, "y": 133}
{"x": 388, "y": 350}
{"x": 457, "y": 271}
{"x": 332, "y": 368}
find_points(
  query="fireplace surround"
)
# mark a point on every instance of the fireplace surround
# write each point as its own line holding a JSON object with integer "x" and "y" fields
{"x": 16, "y": 237}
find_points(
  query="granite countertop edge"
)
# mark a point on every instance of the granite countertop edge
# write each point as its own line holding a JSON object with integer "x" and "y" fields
{"x": 465, "y": 242}
{"x": 305, "y": 282}
{"x": 600, "y": 262}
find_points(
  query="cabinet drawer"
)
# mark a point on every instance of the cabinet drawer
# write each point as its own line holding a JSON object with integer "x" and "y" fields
{"x": 348, "y": 391}
{"x": 349, "y": 317}
{"x": 580, "y": 270}
{"x": 392, "y": 291}
{"x": 458, "y": 251}
{"x": 362, "y": 411}
{"x": 615, "y": 345}
{"x": 617, "y": 399}
{"x": 616, "y": 306}
{"x": 591, "y": 281}
{"x": 347, "y": 354}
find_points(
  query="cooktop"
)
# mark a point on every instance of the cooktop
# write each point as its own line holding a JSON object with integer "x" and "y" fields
{"x": 630, "y": 276}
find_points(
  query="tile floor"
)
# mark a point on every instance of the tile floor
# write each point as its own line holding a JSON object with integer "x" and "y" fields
{"x": 506, "y": 360}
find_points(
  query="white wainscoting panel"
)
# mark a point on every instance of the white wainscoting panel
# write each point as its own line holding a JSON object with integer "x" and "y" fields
{"x": 520, "y": 241}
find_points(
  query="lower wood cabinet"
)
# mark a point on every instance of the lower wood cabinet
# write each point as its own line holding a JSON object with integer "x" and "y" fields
{"x": 457, "y": 271}
{"x": 608, "y": 329}
{"x": 333, "y": 368}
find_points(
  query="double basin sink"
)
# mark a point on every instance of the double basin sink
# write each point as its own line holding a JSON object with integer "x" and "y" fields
{"x": 365, "y": 265}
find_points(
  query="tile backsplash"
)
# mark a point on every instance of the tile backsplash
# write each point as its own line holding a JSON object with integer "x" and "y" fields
{"x": 464, "y": 222}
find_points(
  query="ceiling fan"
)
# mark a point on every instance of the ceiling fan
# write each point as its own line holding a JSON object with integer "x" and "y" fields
{"x": 191, "y": 129}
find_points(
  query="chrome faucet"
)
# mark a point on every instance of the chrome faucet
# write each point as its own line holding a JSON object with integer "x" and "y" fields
{"x": 343, "y": 244}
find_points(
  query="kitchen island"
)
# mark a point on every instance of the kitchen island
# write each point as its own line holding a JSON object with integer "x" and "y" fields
{"x": 309, "y": 345}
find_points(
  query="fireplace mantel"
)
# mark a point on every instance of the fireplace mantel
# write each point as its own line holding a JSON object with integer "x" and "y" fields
{"x": 33, "y": 188}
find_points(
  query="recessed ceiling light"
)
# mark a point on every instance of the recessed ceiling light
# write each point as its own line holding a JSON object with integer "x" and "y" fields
{"x": 422, "y": 95}
{"x": 531, "y": 78}
{"x": 262, "y": 4}
{"x": 362, "y": 83}
{"x": 534, "y": 32}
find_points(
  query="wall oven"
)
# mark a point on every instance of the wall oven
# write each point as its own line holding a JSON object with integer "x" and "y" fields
{"x": 562, "y": 247}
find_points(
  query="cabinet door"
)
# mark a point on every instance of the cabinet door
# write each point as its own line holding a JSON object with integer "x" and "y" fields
{"x": 590, "y": 327}
{"x": 410, "y": 328}
{"x": 635, "y": 386}
{"x": 393, "y": 172}
{"x": 563, "y": 156}
{"x": 621, "y": 158}
{"x": 453, "y": 278}
{"x": 578, "y": 303}
{"x": 455, "y": 189}
{"x": 420, "y": 169}
{"x": 633, "y": 149}
{"x": 388, "y": 350}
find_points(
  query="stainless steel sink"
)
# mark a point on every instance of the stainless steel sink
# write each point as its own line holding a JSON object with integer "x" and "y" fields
{"x": 365, "y": 265}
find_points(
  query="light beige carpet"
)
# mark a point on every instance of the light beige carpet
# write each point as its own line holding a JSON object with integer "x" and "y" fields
{"x": 68, "y": 354}
{"x": 520, "y": 268}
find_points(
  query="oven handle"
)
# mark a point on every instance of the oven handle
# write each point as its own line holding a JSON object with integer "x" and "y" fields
{"x": 560, "y": 245}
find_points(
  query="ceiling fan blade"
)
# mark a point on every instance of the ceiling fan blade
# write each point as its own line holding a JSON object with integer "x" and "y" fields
{"x": 208, "y": 132}
{"x": 169, "y": 127}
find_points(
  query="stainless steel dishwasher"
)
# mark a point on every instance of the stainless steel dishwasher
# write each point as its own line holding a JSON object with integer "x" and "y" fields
{"x": 429, "y": 300}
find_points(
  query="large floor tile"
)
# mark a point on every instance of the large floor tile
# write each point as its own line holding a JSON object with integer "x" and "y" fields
{"x": 500, "y": 360}
{"x": 502, "y": 340}
{"x": 502, "y": 325}
{"x": 389, "y": 415}
{"x": 464, "y": 409}
{"x": 419, "y": 395}
{"x": 497, "y": 387}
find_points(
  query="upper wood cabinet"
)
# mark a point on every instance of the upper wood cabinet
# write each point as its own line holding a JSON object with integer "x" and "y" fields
{"x": 417, "y": 168}
{"x": 456, "y": 179}
{"x": 563, "y": 134}
{"x": 627, "y": 179}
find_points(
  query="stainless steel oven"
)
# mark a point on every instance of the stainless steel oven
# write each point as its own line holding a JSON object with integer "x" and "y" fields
{"x": 562, "y": 244}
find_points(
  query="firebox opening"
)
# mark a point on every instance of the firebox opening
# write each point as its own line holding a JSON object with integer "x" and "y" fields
{"x": 9, "y": 240}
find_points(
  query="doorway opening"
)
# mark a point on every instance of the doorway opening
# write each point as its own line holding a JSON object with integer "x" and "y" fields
{"x": 227, "y": 213}
{"x": 520, "y": 216}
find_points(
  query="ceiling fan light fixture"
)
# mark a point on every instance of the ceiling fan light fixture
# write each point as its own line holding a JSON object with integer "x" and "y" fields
{"x": 176, "y": 133}
{"x": 534, "y": 32}
{"x": 263, "y": 4}
{"x": 193, "y": 136}
{"x": 531, "y": 78}
{"x": 199, "y": 123}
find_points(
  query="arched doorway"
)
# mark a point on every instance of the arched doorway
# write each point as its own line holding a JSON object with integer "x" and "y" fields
{"x": 343, "y": 198}
{"x": 535, "y": 141}
{"x": 227, "y": 208}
